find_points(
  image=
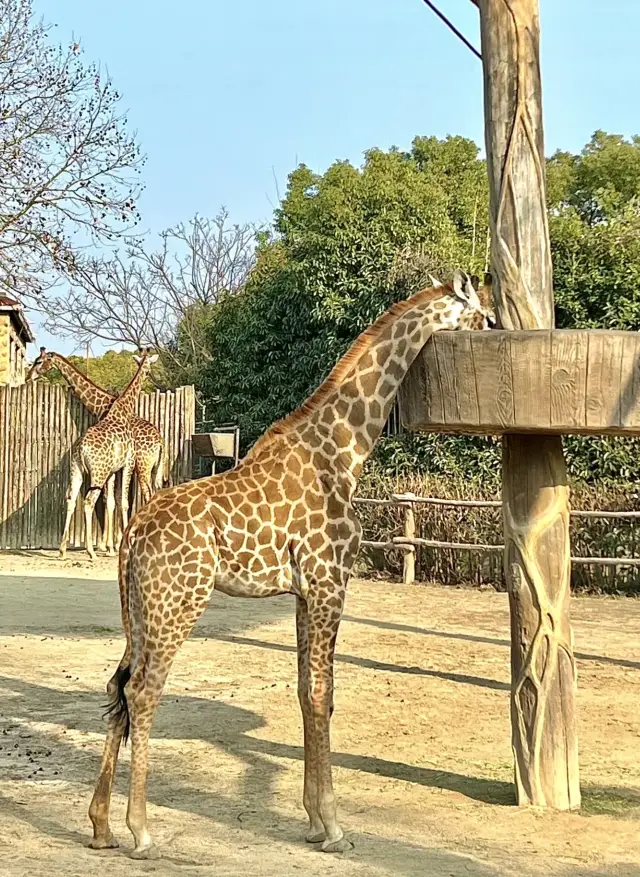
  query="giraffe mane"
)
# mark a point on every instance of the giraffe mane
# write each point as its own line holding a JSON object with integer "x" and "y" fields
{"x": 341, "y": 369}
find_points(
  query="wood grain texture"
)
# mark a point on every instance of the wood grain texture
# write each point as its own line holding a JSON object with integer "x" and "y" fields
{"x": 568, "y": 379}
{"x": 535, "y": 492}
{"x": 548, "y": 382}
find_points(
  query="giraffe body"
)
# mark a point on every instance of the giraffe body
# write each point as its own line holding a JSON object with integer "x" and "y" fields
{"x": 148, "y": 444}
{"x": 281, "y": 522}
{"x": 104, "y": 450}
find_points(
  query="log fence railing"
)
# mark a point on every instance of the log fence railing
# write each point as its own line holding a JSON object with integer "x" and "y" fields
{"x": 408, "y": 542}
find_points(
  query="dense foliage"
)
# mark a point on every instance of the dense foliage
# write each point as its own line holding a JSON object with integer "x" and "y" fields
{"x": 344, "y": 246}
{"x": 346, "y": 243}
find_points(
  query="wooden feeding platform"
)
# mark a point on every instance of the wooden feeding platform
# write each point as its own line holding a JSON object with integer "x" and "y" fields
{"x": 558, "y": 381}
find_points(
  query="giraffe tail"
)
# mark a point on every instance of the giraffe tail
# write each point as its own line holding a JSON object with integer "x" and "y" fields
{"x": 118, "y": 706}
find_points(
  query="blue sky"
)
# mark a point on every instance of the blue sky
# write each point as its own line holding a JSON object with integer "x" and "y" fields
{"x": 228, "y": 95}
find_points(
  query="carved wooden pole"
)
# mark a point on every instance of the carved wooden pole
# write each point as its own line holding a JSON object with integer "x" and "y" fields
{"x": 535, "y": 492}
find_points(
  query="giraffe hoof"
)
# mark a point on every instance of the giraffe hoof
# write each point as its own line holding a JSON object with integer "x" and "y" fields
{"x": 104, "y": 843}
{"x": 315, "y": 837}
{"x": 337, "y": 846}
{"x": 150, "y": 852}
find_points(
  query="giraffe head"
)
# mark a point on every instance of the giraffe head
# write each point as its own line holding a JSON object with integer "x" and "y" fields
{"x": 146, "y": 359}
{"x": 43, "y": 363}
{"x": 472, "y": 306}
{"x": 485, "y": 294}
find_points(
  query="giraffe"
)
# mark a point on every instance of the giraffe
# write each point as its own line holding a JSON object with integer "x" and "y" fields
{"x": 281, "y": 522}
{"x": 105, "y": 449}
{"x": 148, "y": 444}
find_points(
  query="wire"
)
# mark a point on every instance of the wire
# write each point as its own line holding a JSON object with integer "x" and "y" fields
{"x": 452, "y": 27}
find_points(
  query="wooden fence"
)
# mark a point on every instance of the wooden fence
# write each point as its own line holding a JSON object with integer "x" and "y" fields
{"x": 39, "y": 423}
{"x": 408, "y": 542}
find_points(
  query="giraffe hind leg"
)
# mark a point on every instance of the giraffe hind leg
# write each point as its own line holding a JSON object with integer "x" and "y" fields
{"x": 117, "y": 731}
{"x": 137, "y": 687}
{"x": 107, "y": 539}
{"x": 90, "y": 500}
{"x": 144, "y": 471}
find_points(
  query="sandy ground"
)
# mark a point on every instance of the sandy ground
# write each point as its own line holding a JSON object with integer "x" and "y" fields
{"x": 420, "y": 736}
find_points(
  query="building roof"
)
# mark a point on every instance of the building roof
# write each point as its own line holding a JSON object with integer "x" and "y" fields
{"x": 16, "y": 312}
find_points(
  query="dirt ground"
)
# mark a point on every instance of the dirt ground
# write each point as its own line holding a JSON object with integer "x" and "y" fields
{"x": 420, "y": 736}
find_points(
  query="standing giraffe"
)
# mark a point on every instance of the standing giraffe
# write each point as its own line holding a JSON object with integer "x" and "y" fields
{"x": 281, "y": 522}
{"x": 148, "y": 444}
{"x": 105, "y": 449}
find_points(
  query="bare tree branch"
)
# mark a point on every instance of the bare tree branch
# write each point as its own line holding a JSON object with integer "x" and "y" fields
{"x": 160, "y": 297}
{"x": 68, "y": 168}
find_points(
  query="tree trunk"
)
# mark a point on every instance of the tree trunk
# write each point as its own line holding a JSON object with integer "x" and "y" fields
{"x": 535, "y": 491}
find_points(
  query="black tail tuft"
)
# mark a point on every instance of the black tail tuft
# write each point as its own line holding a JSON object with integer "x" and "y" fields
{"x": 118, "y": 706}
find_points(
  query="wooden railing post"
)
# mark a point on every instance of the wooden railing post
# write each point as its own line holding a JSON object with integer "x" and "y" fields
{"x": 405, "y": 501}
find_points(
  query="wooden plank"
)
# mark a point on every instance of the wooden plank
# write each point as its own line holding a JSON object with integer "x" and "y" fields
{"x": 36, "y": 464}
{"x": 21, "y": 510}
{"x": 492, "y": 363}
{"x": 39, "y": 537}
{"x": 604, "y": 363}
{"x": 531, "y": 375}
{"x": 4, "y": 463}
{"x": 177, "y": 425}
{"x": 630, "y": 381}
{"x": 14, "y": 502}
{"x": 456, "y": 370}
{"x": 568, "y": 379}
{"x": 444, "y": 349}
{"x": 422, "y": 396}
{"x": 44, "y": 539}
{"x": 27, "y": 496}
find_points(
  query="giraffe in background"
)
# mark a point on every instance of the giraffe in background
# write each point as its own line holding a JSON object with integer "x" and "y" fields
{"x": 105, "y": 449}
{"x": 281, "y": 522}
{"x": 148, "y": 444}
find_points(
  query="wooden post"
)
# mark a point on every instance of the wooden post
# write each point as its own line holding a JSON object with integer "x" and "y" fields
{"x": 535, "y": 492}
{"x": 409, "y": 559}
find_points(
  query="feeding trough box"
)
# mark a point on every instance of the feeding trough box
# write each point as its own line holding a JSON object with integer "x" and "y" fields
{"x": 542, "y": 381}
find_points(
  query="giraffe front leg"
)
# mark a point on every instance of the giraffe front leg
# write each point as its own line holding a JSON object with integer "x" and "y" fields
{"x": 72, "y": 496}
{"x": 323, "y": 622}
{"x": 316, "y": 833}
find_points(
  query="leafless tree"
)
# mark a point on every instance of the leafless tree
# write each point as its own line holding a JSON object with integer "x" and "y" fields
{"x": 162, "y": 296}
{"x": 68, "y": 168}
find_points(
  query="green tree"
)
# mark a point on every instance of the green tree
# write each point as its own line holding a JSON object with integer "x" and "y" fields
{"x": 344, "y": 246}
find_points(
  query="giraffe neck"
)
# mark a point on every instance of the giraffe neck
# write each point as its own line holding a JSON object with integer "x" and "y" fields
{"x": 93, "y": 397}
{"x": 345, "y": 416}
{"x": 124, "y": 406}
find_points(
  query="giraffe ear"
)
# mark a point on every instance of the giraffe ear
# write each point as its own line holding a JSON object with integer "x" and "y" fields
{"x": 463, "y": 288}
{"x": 153, "y": 358}
{"x": 461, "y": 284}
{"x": 435, "y": 283}
{"x": 137, "y": 359}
